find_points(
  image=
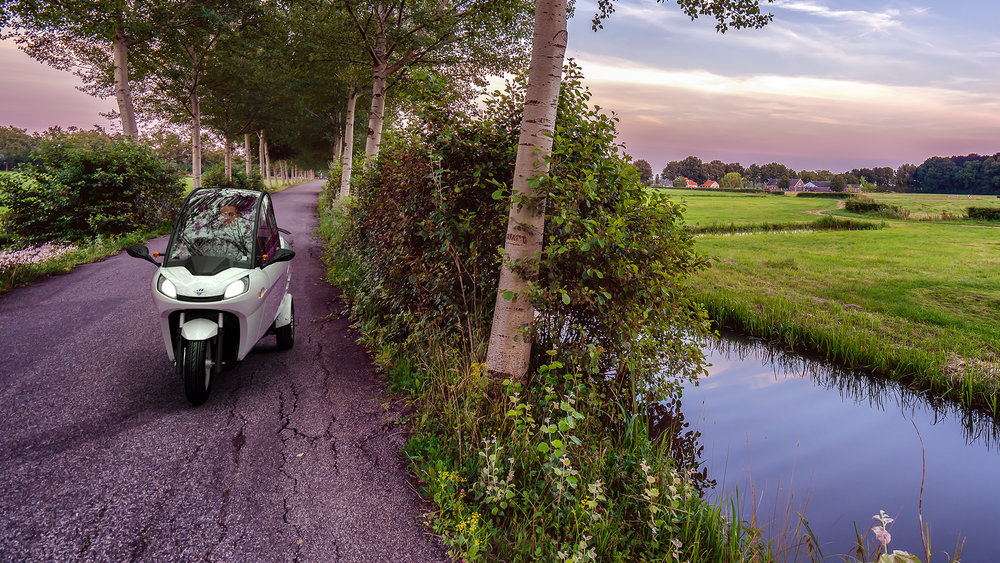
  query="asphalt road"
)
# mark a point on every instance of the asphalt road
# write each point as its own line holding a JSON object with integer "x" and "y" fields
{"x": 295, "y": 456}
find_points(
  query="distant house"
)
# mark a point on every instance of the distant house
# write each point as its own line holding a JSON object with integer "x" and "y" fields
{"x": 687, "y": 181}
{"x": 794, "y": 185}
{"x": 710, "y": 184}
{"x": 817, "y": 186}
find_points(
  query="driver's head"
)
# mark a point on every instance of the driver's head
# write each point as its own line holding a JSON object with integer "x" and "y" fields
{"x": 228, "y": 214}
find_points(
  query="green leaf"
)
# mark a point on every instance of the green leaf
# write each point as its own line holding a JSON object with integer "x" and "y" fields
{"x": 543, "y": 447}
{"x": 507, "y": 295}
{"x": 565, "y": 298}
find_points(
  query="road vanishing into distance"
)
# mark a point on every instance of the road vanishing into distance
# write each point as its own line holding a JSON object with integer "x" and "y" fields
{"x": 295, "y": 456}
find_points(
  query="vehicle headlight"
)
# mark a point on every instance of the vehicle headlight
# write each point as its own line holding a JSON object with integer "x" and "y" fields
{"x": 238, "y": 287}
{"x": 167, "y": 287}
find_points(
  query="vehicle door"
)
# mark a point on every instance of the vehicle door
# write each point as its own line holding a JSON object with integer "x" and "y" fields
{"x": 275, "y": 274}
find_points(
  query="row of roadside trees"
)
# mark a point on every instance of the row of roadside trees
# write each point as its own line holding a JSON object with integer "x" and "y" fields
{"x": 280, "y": 79}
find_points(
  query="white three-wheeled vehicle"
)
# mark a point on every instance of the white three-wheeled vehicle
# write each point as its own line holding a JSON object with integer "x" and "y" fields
{"x": 223, "y": 284}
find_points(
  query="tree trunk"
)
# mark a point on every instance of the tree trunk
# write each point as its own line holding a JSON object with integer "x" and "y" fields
{"x": 229, "y": 160}
{"x": 246, "y": 148}
{"x": 260, "y": 154}
{"x": 509, "y": 351}
{"x": 123, "y": 92}
{"x": 267, "y": 166}
{"x": 348, "y": 157}
{"x": 195, "y": 139}
{"x": 376, "y": 116}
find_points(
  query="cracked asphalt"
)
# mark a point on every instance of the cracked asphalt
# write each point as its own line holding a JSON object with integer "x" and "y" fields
{"x": 295, "y": 456}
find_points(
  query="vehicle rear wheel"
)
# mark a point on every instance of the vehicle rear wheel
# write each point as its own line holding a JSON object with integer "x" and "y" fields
{"x": 198, "y": 366}
{"x": 286, "y": 334}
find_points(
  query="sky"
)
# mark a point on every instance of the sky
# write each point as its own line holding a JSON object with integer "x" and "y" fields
{"x": 828, "y": 84}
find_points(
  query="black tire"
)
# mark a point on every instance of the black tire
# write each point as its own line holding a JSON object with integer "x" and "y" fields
{"x": 286, "y": 334}
{"x": 198, "y": 370}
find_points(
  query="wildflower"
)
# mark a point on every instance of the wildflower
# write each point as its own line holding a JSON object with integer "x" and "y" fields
{"x": 882, "y": 535}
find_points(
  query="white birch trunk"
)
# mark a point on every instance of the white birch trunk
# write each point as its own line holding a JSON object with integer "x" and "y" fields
{"x": 267, "y": 166}
{"x": 195, "y": 139}
{"x": 338, "y": 147}
{"x": 509, "y": 352}
{"x": 376, "y": 116}
{"x": 123, "y": 92}
{"x": 347, "y": 158}
{"x": 260, "y": 154}
{"x": 249, "y": 159}
{"x": 229, "y": 160}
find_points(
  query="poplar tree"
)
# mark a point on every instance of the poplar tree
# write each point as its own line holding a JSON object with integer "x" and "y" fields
{"x": 509, "y": 351}
{"x": 94, "y": 39}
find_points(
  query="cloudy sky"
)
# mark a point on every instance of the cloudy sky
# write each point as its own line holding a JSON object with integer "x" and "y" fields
{"x": 832, "y": 84}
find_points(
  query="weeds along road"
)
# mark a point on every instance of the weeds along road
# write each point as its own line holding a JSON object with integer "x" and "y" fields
{"x": 294, "y": 457}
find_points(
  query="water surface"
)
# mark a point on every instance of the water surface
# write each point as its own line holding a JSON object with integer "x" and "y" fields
{"x": 799, "y": 436}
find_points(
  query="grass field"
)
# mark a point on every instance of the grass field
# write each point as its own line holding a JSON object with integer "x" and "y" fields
{"x": 918, "y": 300}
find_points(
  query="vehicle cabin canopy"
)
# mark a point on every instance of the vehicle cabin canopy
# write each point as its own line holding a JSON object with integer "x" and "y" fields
{"x": 215, "y": 230}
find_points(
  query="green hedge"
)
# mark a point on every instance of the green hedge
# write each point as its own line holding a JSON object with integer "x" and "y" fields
{"x": 984, "y": 213}
{"x": 82, "y": 186}
{"x": 824, "y": 195}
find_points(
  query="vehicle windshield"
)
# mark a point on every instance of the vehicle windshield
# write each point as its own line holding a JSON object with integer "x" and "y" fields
{"x": 215, "y": 231}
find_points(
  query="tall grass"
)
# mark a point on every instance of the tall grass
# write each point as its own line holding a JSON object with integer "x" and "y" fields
{"x": 890, "y": 301}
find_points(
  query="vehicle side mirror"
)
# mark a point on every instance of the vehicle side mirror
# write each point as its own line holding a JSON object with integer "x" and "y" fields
{"x": 140, "y": 251}
{"x": 281, "y": 255}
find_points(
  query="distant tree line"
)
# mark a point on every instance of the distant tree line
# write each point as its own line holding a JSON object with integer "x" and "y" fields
{"x": 972, "y": 173}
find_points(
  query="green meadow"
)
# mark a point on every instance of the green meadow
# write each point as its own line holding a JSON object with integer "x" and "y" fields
{"x": 917, "y": 300}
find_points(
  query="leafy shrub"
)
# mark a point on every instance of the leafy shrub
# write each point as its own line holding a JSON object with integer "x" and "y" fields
{"x": 557, "y": 467}
{"x": 984, "y": 213}
{"x": 610, "y": 283}
{"x": 215, "y": 177}
{"x": 865, "y": 204}
{"x": 79, "y": 187}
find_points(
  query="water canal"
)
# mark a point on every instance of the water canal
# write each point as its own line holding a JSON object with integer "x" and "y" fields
{"x": 800, "y": 436}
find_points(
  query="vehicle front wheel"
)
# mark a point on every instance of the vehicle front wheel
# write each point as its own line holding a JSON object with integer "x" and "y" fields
{"x": 198, "y": 366}
{"x": 286, "y": 334}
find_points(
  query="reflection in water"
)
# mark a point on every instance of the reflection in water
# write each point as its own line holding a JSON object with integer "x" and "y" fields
{"x": 981, "y": 428}
{"x": 667, "y": 421}
{"x": 793, "y": 435}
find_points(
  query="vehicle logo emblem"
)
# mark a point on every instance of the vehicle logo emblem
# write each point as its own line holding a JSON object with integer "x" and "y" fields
{"x": 199, "y": 291}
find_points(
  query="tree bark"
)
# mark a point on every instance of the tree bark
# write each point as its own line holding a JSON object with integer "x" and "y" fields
{"x": 260, "y": 155}
{"x": 376, "y": 116}
{"x": 338, "y": 149}
{"x": 229, "y": 160}
{"x": 246, "y": 148}
{"x": 123, "y": 92}
{"x": 509, "y": 351}
{"x": 267, "y": 166}
{"x": 348, "y": 157}
{"x": 195, "y": 139}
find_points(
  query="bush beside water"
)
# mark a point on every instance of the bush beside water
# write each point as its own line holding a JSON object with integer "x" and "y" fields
{"x": 560, "y": 466}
